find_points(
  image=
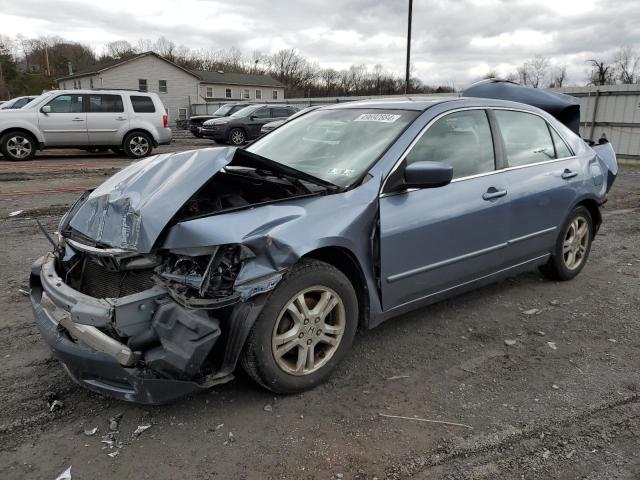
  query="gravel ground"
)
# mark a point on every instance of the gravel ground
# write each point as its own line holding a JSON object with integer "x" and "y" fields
{"x": 561, "y": 401}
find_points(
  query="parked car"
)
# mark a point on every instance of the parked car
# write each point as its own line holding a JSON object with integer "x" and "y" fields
{"x": 245, "y": 124}
{"x": 122, "y": 120}
{"x": 271, "y": 126}
{"x": 16, "y": 103}
{"x": 182, "y": 265}
{"x": 195, "y": 122}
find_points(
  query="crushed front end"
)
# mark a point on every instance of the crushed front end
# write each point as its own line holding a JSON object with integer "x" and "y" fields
{"x": 148, "y": 328}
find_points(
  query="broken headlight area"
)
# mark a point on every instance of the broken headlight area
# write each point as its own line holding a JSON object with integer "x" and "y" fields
{"x": 203, "y": 281}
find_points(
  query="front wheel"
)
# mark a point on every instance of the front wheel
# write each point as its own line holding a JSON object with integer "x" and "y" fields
{"x": 137, "y": 145}
{"x": 237, "y": 136}
{"x": 304, "y": 330}
{"x": 572, "y": 247}
{"x": 18, "y": 146}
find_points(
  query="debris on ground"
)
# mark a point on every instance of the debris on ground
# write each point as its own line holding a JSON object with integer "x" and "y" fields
{"x": 219, "y": 426}
{"x": 546, "y": 454}
{"x": 53, "y": 401}
{"x": 612, "y": 340}
{"x": 554, "y": 302}
{"x": 140, "y": 429}
{"x": 24, "y": 291}
{"x": 114, "y": 422}
{"x": 541, "y": 333}
{"x": 532, "y": 311}
{"x": 231, "y": 439}
{"x": 552, "y": 345}
{"x": 114, "y": 454}
{"x": 16, "y": 213}
{"x": 555, "y": 387}
{"x": 108, "y": 439}
{"x": 91, "y": 431}
{"x": 397, "y": 377}
{"x": 509, "y": 342}
{"x": 426, "y": 420}
{"x": 268, "y": 408}
{"x": 66, "y": 475}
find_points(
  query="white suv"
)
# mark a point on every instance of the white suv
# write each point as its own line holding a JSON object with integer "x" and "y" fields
{"x": 120, "y": 120}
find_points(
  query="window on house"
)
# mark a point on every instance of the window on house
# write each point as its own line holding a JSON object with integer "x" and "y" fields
{"x": 274, "y": 94}
{"x": 182, "y": 114}
{"x": 142, "y": 84}
{"x": 209, "y": 92}
{"x": 91, "y": 83}
{"x": 142, "y": 104}
{"x": 258, "y": 94}
{"x": 162, "y": 86}
{"x": 79, "y": 84}
{"x": 75, "y": 84}
{"x": 245, "y": 94}
{"x": 227, "y": 93}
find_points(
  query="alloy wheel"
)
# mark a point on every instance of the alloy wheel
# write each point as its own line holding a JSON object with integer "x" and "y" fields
{"x": 575, "y": 243}
{"x": 19, "y": 147}
{"x": 308, "y": 330}
{"x": 237, "y": 137}
{"x": 139, "y": 145}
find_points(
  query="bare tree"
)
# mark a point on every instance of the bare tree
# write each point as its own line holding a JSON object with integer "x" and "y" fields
{"x": 558, "y": 77}
{"x": 534, "y": 72}
{"x": 601, "y": 73}
{"x": 627, "y": 65}
{"x": 119, "y": 49}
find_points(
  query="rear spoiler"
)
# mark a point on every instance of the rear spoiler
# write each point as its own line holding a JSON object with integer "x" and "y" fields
{"x": 563, "y": 107}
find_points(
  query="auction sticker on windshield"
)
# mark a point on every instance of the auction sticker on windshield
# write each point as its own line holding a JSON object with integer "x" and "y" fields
{"x": 377, "y": 117}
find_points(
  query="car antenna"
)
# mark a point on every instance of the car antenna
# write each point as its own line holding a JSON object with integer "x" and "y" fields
{"x": 55, "y": 247}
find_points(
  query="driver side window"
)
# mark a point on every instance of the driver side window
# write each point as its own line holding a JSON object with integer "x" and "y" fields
{"x": 66, "y": 104}
{"x": 462, "y": 140}
{"x": 262, "y": 113}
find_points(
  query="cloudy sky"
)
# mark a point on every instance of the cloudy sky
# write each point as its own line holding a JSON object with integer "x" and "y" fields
{"x": 454, "y": 41}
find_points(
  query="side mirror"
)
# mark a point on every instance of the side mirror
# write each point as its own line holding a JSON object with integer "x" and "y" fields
{"x": 252, "y": 117}
{"x": 427, "y": 175}
{"x": 46, "y": 109}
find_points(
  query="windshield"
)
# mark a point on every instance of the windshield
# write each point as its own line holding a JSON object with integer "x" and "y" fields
{"x": 337, "y": 146}
{"x": 223, "y": 110}
{"x": 36, "y": 101}
{"x": 243, "y": 112}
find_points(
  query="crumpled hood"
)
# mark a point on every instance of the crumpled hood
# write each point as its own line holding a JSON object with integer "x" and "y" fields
{"x": 131, "y": 209}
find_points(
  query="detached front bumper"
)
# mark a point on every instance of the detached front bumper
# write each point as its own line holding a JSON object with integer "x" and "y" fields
{"x": 95, "y": 369}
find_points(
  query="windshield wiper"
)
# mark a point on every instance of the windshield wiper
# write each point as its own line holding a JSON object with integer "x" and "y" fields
{"x": 250, "y": 159}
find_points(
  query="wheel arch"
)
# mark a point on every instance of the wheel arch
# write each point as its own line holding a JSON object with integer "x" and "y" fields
{"x": 38, "y": 139}
{"x": 345, "y": 261}
{"x": 594, "y": 209}
{"x": 154, "y": 141}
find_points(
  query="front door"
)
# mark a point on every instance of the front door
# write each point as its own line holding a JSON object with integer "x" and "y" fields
{"x": 434, "y": 239}
{"x": 107, "y": 120}
{"x": 66, "y": 123}
{"x": 257, "y": 120}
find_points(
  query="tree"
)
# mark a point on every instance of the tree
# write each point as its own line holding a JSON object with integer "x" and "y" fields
{"x": 601, "y": 73}
{"x": 627, "y": 64}
{"x": 119, "y": 49}
{"x": 534, "y": 72}
{"x": 558, "y": 76}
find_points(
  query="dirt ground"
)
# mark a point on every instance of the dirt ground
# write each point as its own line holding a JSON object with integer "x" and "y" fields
{"x": 561, "y": 401}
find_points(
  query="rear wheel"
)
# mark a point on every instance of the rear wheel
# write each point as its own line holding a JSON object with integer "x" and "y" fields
{"x": 237, "y": 136}
{"x": 137, "y": 145}
{"x": 305, "y": 329}
{"x": 18, "y": 146}
{"x": 572, "y": 246}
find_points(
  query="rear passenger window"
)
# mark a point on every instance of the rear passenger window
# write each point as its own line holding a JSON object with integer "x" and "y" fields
{"x": 281, "y": 112}
{"x": 526, "y": 138}
{"x": 562, "y": 151}
{"x": 105, "y": 104}
{"x": 462, "y": 140}
{"x": 142, "y": 104}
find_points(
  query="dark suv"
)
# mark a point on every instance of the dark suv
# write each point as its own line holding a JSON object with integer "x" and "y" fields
{"x": 245, "y": 124}
{"x": 195, "y": 122}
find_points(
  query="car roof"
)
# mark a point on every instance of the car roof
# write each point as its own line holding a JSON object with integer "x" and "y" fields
{"x": 88, "y": 91}
{"x": 423, "y": 103}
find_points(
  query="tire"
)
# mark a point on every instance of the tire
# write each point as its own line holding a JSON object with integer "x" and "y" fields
{"x": 571, "y": 251}
{"x": 237, "y": 136}
{"x": 137, "y": 145}
{"x": 329, "y": 338}
{"x": 18, "y": 146}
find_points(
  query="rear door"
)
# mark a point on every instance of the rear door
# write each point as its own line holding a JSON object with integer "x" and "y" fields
{"x": 66, "y": 123}
{"x": 434, "y": 239}
{"x": 107, "y": 120}
{"x": 543, "y": 175}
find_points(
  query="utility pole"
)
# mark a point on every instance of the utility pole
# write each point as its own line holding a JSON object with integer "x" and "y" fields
{"x": 408, "y": 73}
{"x": 46, "y": 59}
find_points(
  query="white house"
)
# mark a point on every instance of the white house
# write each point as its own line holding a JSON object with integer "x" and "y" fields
{"x": 178, "y": 87}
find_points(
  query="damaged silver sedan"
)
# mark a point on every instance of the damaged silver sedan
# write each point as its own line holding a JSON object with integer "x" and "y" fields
{"x": 183, "y": 265}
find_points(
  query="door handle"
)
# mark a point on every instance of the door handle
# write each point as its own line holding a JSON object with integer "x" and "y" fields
{"x": 121, "y": 118}
{"x": 567, "y": 174}
{"x": 77, "y": 119}
{"x": 493, "y": 193}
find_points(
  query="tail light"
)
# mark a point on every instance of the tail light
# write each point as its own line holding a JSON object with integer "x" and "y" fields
{"x": 165, "y": 121}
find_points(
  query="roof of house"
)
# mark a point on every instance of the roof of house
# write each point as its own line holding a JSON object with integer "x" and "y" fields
{"x": 203, "y": 76}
